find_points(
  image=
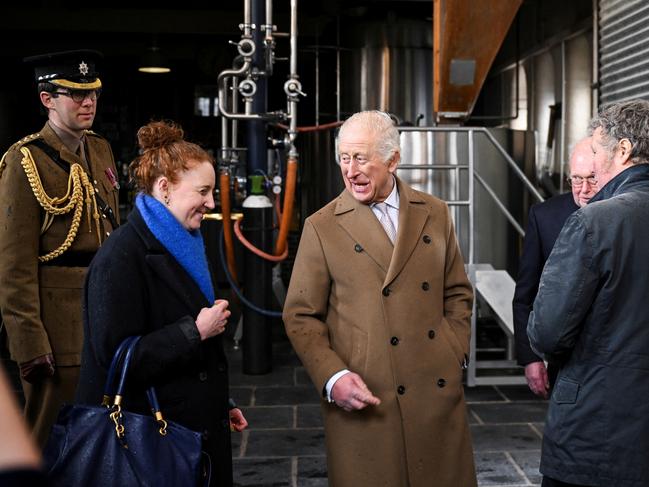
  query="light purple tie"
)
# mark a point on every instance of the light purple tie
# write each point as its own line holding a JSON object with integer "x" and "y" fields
{"x": 386, "y": 221}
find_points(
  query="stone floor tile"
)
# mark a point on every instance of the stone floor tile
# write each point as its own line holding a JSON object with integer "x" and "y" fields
{"x": 482, "y": 394}
{"x": 513, "y": 412}
{"x": 312, "y": 472}
{"x": 262, "y": 472}
{"x": 241, "y": 395}
{"x": 272, "y": 396}
{"x": 519, "y": 393}
{"x": 529, "y": 462}
{"x": 279, "y": 376}
{"x": 285, "y": 442}
{"x": 301, "y": 377}
{"x": 504, "y": 438}
{"x": 309, "y": 416}
{"x": 265, "y": 417}
{"x": 496, "y": 469}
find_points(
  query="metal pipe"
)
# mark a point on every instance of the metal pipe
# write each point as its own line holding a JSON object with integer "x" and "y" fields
{"x": 500, "y": 204}
{"x": 562, "y": 145}
{"x": 338, "y": 68}
{"x": 235, "y": 131}
{"x": 595, "y": 85}
{"x": 247, "y": 16}
{"x": 292, "y": 99}
{"x": 471, "y": 200}
{"x": 268, "y": 38}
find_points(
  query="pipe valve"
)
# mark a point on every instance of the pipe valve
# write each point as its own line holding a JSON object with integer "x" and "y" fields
{"x": 293, "y": 88}
{"x": 246, "y": 47}
{"x": 247, "y": 88}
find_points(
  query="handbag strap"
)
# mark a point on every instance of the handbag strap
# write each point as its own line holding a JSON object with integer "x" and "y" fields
{"x": 109, "y": 387}
{"x": 123, "y": 371}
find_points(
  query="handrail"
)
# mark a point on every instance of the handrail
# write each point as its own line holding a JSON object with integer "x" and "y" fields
{"x": 473, "y": 174}
{"x": 500, "y": 204}
{"x": 494, "y": 142}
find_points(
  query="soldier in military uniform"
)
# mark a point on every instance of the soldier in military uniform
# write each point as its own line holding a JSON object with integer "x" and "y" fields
{"x": 58, "y": 203}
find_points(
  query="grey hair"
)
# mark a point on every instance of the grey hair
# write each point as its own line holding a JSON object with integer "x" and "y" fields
{"x": 381, "y": 126}
{"x": 625, "y": 120}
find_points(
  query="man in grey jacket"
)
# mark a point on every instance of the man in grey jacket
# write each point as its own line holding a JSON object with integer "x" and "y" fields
{"x": 591, "y": 313}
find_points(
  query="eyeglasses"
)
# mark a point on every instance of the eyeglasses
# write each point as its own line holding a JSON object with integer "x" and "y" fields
{"x": 79, "y": 95}
{"x": 579, "y": 180}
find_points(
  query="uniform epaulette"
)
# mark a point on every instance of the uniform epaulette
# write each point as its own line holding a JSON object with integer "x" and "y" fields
{"x": 17, "y": 146}
{"x": 24, "y": 140}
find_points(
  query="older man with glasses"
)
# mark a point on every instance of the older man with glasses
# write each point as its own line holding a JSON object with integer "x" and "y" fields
{"x": 58, "y": 203}
{"x": 591, "y": 316}
{"x": 543, "y": 226}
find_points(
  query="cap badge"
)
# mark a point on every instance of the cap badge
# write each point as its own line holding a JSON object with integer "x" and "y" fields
{"x": 83, "y": 68}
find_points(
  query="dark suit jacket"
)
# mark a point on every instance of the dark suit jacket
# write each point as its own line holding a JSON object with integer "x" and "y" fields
{"x": 136, "y": 287}
{"x": 543, "y": 226}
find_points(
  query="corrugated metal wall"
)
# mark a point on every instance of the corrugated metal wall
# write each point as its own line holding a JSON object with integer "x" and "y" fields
{"x": 623, "y": 50}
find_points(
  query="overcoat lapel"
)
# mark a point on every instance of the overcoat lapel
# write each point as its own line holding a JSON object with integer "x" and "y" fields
{"x": 360, "y": 223}
{"x": 412, "y": 218}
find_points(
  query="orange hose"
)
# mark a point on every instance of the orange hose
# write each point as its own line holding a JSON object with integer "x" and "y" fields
{"x": 224, "y": 183}
{"x": 312, "y": 128}
{"x": 255, "y": 250}
{"x": 287, "y": 211}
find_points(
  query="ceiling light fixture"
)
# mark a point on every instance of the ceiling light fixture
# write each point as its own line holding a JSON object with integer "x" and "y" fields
{"x": 153, "y": 61}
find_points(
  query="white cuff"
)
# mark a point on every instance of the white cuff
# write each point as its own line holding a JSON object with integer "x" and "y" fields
{"x": 332, "y": 381}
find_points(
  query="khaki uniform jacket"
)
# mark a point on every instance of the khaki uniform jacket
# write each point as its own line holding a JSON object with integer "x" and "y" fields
{"x": 41, "y": 303}
{"x": 400, "y": 319}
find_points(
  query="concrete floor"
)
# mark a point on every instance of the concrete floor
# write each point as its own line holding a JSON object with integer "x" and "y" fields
{"x": 284, "y": 445}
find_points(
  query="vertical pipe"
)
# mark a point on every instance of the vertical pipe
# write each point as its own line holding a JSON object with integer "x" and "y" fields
{"x": 595, "y": 93}
{"x": 256, "y": 140}
{"x": 338, "y": 68}
{"x": 471, "y": 198}
{"x": 235, "y": 126}
{"x": 317, "y": 84}
{"x": 269, "y": 22}
{"x": 247, "y": 18}
{"x": 562, "y": 146}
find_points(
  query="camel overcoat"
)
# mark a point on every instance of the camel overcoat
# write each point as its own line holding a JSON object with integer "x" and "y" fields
{"x": 400, "y": 318}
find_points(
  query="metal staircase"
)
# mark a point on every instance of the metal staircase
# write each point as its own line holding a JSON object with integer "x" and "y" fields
{"x": 454, "y": 182}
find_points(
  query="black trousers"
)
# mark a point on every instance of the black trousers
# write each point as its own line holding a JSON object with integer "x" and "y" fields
{"x": 548, "y": 482}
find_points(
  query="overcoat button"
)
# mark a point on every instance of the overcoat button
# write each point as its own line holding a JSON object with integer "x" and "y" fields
{"x": 425, "y": 286}
{"x": 221, "y": 368}
{"x": 401, "y": 390}
{"x": 394, "y": 341}
{"x": 226, "y": 423}
{"x": 358, "y": 248}
{"x": 205, "y": 435}
{"x": 431, "y": 334}
{"x": 426, "y": 239}
{"x": 202, "y": 376}
{"x": 386, "y": 291}
{"x": 441, "y": 382}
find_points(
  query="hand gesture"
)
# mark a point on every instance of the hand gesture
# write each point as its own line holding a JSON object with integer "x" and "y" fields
{"x": 350, "y": 393}
{"x": 211, "y": 321}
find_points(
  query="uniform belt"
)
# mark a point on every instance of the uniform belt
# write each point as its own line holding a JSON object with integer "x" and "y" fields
{"x": 71, "y": 259}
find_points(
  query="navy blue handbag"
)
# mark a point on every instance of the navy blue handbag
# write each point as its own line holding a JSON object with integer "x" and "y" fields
{"x": 109, "y": 446}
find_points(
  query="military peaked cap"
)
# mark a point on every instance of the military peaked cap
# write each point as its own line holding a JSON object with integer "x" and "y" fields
{"x": 76, "y": 70}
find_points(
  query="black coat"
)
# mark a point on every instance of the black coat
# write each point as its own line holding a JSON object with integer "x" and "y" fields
{"x": 591, "y": 310}
{"x": 136, "y": 287}
{"x": 544, "y": 223}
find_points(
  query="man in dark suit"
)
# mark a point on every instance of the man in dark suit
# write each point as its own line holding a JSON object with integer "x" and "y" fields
{"x": 543, "y": 226}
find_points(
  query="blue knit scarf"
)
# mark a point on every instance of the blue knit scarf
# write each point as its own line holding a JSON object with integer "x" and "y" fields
{"x": 186, "y": 247}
